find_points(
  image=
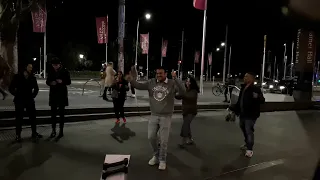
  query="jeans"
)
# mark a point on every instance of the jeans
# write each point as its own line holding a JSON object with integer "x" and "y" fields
{"x": 31, "y": 111}
{"x": 186, "y": 129}
{"x": 163, "y": 125}
{"x": 133, "y": 91}
{"x": 247, "y": 127}
{"x": 54, "y": 112}
{"x": 118, "y": 104}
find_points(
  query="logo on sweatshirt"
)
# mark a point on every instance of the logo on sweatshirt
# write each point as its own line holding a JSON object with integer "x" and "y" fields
{"x": 160, "y": 93}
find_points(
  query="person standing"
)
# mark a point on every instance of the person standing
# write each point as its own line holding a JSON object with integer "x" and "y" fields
{"x": 109, "y": 80}
{"x": 58, "y": 79}
{"x": 120, "y": 88}
{"x": 24, "y": 88}
{"x": 248, "y": 109}
{"x": 230, "y": 82}
{"x": 103, "y": 76}
{"x": 162, "y": 93}
{"x": 189, "y": 109}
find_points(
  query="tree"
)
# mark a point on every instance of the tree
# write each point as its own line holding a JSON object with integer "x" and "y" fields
{"x": 11, "y": 12}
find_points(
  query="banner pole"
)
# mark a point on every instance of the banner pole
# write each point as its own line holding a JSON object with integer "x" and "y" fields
{"x": 148, "y": 58}
{"x": 264, "y": 58}
{"x": 229, "y": 64}
{"x": 45, "y": 54}
{"x": 203, "y": 49}
{"x": 161, "y": 51}
{"x": 225, "y": 56}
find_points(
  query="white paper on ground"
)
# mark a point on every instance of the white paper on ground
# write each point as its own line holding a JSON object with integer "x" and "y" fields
{"x": 112, "y": 158}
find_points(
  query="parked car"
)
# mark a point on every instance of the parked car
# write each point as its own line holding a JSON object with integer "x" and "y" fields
{"x": 282, "y": 87}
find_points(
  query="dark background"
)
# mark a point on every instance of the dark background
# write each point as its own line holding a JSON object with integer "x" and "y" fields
{"x": 72, "y": 24}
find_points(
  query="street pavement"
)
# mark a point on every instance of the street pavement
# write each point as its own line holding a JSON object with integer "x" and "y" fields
{"x": 286, "y": 148}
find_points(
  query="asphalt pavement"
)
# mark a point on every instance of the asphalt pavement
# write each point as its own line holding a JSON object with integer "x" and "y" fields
{"x": 286, "y": 148}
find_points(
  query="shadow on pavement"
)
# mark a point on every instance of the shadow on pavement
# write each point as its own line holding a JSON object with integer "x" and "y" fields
{"x": 122, "y": 133}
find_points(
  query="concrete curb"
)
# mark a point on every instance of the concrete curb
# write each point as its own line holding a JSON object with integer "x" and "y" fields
{"x": 87, "y": 114}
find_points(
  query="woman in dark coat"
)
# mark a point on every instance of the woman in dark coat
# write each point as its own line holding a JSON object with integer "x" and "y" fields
{"x": 189, "y": 109}
{"x": 119, "y": 93}
{"x": 58, "y": 79}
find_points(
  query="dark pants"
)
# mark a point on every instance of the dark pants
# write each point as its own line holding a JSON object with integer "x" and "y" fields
{"x": 54, "y": 112}
{"x": 31, "y": 111}
{"x": 247, "y": 127}
{"x": 226, "y": 93}
{"x": 118, "y": 104}
{"x": 186, "y": 129}
{"x": 133, "y": 91}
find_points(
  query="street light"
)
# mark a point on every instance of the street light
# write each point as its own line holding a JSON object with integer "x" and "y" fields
{"x": 81, "y": 56}
{"x": 218, "y": 49}
{"x": 34, "y": 59}
{"x": 223, "y": 44}
{"x": 147, "y": 16}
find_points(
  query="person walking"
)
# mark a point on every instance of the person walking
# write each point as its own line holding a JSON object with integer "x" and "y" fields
{"x": 58, "y": 79}
{"x": 162, "y": 93}
{"x": 24, "y": 88}
{"x": 248, "y": 110}
{"x": 120, "y": 88}
{"x": 102, "y": 76}
{"x": 189, "y": 109}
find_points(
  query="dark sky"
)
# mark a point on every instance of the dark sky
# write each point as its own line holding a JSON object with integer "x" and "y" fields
{"x": 72, "y": 21}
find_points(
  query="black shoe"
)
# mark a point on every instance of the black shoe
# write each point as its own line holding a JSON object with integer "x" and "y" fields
{"x": 18, "y": 139}
{"x": 53, "y": 134}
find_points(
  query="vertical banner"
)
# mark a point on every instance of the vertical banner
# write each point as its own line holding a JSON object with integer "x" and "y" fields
{"x": 305, "y": 51}
{"x": 196, "y": 57}
{"x": 102, "y": 29}
{"x": 210, "y": 59}
{"x": 121, "y": 34}
{"x": 144, "y": 41}
{"x": 164, "y": 48}
{"x": 200, "y": 4}
{"x": 39, "y": 19}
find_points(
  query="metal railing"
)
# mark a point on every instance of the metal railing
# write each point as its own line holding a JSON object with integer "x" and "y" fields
{"x": 90, "y": 80}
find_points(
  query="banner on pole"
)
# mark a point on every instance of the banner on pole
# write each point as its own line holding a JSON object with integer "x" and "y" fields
{"x": 196, "y": 57}
{"x": 144, "y": 41}
{"x": 39, "y": 19}
{"x": 164, "y": 48}
{"x": 102, "y": 29}
{"x": 305, "y": 51}
{"x": 200, "y": 4}
{"x": 210, "y": 59}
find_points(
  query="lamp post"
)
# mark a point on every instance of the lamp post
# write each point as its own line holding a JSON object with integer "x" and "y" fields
{"x": 147, "y": 16}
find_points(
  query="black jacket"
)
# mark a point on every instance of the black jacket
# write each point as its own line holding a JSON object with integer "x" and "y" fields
{"x": 24, "y": 89}
{"x": 189, "y": 101}
{"x": 252, "y": 97}
{"x": 58, "y": 95}
{"x": 121, "y": 88}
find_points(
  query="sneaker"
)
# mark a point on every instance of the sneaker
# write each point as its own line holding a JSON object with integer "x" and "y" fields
{"x": 53, "y": 134}
{"x": 154, "y": 161}
{"x": 162, "y": 165}
{"x": 117, "y": 121}
{"x": 133, "y": 95}
{"x": 249, "y": 153}
{"x": 190, "y": 141}
{"x": 243, "y": 147}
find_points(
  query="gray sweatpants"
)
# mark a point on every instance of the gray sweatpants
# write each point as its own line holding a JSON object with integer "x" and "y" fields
{"x": 159, "y": 125}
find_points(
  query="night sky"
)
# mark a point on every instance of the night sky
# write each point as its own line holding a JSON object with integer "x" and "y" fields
{"x": 73, "y": 22}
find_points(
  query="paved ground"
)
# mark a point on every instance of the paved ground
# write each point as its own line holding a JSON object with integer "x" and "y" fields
{"x": 287, "y": 148}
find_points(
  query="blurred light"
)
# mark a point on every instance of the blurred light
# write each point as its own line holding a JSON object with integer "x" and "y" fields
{"x": 282, "y": 87}
{"x": 271, "y": 86}
{"x": 257, "y": 75}
{"x": 179, "y": 62}
{"x": 148, "y": 16}
{"x": 319, "y": 81}
{"x": 223, "y": 44}
{"x": 255, "y": 83}
{"x": 81, "y": 56}
{"x": 276, "y": 81}
{"x": 218, "y": 49}
{"x": 218, "y": 73}
{"x": 264, "y": 83}
{"x": 34, "y": 59}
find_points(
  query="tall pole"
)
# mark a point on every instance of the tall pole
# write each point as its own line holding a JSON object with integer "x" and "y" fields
{"x": 161, "y": 51}
{"x": 106, "y": 53}
{"x": 210, "y": 72}
{"x": 203, "y": 49}
{"x": 181, "y": 52}
{"x": 291, "y": 65}
{"x": 45, "y": 54}
{"x": 285, "y": 62}
{"x": 148, "y": 58}
{"x": 225, "y": 56}
{"x": 207, "y": 71}
{"x": 229, "y": 64}
{"x": 194, "y": 70}
{"x": 137, "y": 43}
{"x": 274, "y": 68}
{"x": 264, "y": 57}
{"x": 121, "y": 34}
{"x": 40, "y": 62}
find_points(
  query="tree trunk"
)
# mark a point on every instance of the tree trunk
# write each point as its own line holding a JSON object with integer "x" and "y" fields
{"x": 9, "y": 64}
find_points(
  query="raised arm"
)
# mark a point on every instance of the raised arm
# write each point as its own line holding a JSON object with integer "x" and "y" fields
{"x": 140, "y": 86}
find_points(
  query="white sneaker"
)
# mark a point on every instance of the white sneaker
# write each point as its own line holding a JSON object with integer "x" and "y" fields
{"x": 133, "y": 95}
{"x": 162, "y": 165}
{"x": 153, "y": 161}
{"x": 249, "y": 153}
{"x": 243, "y": 147}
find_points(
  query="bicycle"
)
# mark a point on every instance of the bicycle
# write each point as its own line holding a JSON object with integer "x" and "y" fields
{"x": 218, "y": 89}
